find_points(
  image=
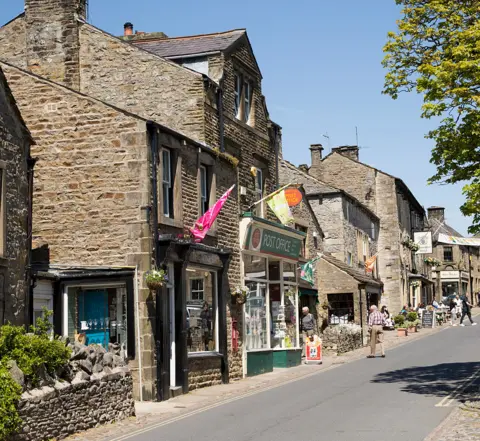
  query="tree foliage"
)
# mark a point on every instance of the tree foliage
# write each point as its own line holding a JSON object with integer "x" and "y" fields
{"x": 436, "y": 52}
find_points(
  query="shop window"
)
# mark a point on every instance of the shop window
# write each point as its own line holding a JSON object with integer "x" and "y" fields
{"x": 448, "y": 254}
{"x": 98, "y": 316}
{"x": 167, "y": 183}
{"x": 341, "y": 309}
{"x": 256, "y": 316}
{"x": 202, "y": 311}
{"x": 2, "y": 210}
{"x": 289, "y": 272}
{"x": 255, "y": 267}
{"x": 196, "y": 289}
{"x": 274, "y": 270}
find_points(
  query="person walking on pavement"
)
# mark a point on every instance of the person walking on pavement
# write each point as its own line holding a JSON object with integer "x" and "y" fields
{"x": 309, "y": 326}
{"x": 466, "y": 311}
{"x": 453, "y": 311}
{"x": 376, "y": 322}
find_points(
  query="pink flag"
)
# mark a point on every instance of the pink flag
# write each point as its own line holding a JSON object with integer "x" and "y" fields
{"x": 205, "y": 222}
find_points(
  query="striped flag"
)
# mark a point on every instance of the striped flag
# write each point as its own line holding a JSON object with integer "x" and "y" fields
{"x": 370, "y": 264}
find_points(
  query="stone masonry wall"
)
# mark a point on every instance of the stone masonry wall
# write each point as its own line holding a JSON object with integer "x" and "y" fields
{"x": 59, "y": 411}
{"x": 91, "y": 182}
{"x": 14, "y": 152}
{"x": 13, "y": 44}
{"x": 138, "y": 81}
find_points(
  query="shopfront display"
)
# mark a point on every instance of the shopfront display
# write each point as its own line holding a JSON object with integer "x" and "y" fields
{"x": 271, "y": 274}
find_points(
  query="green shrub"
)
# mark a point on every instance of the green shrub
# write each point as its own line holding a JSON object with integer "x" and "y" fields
{"x": 399, "y": 320}
{"x": 9, "y": 395}
{"x": 412, "y": 316}
{"x": 31, "y": 350}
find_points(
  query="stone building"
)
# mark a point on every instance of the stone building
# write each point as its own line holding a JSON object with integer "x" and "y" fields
{"x": 16, "y": 169}
{"x": 96, "y": 206}
{"x": 350, "y": 238}
{"x": 222, "y": 107}
{"x": 459, "y": 268}
{"x": 405, "y": 276}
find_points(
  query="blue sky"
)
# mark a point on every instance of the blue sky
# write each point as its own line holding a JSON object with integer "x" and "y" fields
{"x": 322, "y": 75}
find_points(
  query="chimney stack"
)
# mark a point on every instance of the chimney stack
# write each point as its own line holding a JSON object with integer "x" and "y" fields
{"x": 350, "y": 151}
{"x": 316, "y": 152}
{"x": 437, "y": 213}
{"x": 127, "y": 29}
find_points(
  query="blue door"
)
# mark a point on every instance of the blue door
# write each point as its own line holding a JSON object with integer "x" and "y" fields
{"x": 93, "y": 316}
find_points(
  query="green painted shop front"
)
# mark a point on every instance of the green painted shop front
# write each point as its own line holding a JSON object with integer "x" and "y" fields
{"x": 270, "y": 272}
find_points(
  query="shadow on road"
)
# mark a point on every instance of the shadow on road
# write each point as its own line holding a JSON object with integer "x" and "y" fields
{"x": 438, "y": 380}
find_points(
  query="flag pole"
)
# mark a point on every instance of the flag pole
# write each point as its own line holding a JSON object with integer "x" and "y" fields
{"x": 272, "y": 194}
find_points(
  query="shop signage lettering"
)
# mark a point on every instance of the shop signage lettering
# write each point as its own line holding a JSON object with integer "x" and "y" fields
{"x": 270, "y": 242}
{"x": 294, "y": 196}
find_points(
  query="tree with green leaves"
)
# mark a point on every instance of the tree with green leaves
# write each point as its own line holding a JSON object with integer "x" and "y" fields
{"x": 436, "y": 52}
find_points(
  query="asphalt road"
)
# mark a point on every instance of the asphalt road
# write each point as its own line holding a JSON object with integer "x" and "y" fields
{"x": 395, "y": 398}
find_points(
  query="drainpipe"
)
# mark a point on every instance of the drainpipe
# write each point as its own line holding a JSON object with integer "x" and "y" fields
{"x": 362, "y": 287}
{"x": 221, "y": 120}
{"x": 154, "y": 215}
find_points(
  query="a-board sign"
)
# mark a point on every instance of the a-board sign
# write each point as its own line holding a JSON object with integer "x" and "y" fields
{"x": 313, "y": 350}
{"x": 428, "y": 319}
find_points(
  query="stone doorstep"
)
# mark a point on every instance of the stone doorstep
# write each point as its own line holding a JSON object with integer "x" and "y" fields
{"x": 151, "y": 413}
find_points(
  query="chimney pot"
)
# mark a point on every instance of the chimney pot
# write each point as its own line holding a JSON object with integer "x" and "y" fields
{"x": 128, "y": 29}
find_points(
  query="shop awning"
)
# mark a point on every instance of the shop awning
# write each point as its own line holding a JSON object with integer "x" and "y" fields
{"x": 421, "y": 278}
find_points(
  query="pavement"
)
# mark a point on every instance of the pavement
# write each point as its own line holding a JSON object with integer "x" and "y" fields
{"x": 406, "y": 395}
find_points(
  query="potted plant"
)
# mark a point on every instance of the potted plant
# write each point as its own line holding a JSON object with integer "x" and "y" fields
{"x": 156, "y": 278}
{"x": 411, "y": 321}
{"x": 400, "y": 326}
{"x": 240, "y": 294}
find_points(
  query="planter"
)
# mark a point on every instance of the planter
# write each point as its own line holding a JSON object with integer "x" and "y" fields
{"x": 402, "y": 332}
{"x": 412, "y": 330}
{"x": 241, "y": 299}
{"x": 153, "y": 286}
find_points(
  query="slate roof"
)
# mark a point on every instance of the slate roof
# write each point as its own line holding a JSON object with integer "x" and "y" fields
{"x": 196, "y": 44}
{"x": 356, "y": 274}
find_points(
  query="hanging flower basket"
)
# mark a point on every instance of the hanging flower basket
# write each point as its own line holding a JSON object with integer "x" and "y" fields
{"x": 432, "y": 261}
{"x": 156, "y": 278}
{"x": 411, "y": 245}
{"x": 240, "y": 295}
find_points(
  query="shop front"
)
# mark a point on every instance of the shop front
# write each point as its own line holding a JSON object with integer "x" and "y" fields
{"x": 270, "y": 273}
{"x": 453, "y": 282}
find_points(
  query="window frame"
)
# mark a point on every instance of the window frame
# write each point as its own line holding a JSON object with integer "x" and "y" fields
{"x": 259, "y": 191}
{"x": 204, "y": 189}
{"x": 247, "y": 100}
{"x": 197, "y": 279}
{"x": 346, "y": 298}
{"x": 167, "y": 185}
{"x": 238, "y": 89}
{"x": 450, "y": 249}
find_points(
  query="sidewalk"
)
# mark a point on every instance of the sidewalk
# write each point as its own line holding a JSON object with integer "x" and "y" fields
{"x": 154, "y": 414}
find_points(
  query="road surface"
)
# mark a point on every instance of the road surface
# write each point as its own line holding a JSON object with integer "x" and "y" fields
{"x": 402, "y": 397}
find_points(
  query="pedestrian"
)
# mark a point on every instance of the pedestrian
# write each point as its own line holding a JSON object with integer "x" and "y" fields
{"x": 376, "y": 322}
{"x": 466, "y": 311}
{"x": 478, "y": 297}
{"x": 309, "y": 326}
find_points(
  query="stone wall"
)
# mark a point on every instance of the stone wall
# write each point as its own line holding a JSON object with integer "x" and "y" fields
{"x": 13, "y": 42}
{"x": 143, "y": 83}
{"x": 204, "y": 372}
{"x": 14, "y": 207}
{"x": 341, "y": 338}
{"x": 59, "y": 411}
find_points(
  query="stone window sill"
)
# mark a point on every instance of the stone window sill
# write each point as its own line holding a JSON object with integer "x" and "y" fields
{"x": 178, "y": 223}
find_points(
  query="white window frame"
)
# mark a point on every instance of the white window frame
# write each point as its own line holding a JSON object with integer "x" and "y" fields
{"x": 166, "y": 182}
{"x": 259, "y": 193}
{"x": 349, "y": 259}
{"x": 247, "y": 98}
{"x": 197, "y": 291}
{"x": 204, "y": 196}
{"x": 238, "y": 94}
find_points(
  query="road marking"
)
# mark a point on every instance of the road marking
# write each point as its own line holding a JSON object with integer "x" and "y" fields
{"x": 449, "y": 399}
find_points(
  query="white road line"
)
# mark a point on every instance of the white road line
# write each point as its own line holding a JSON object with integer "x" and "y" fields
{"x": 449, "y": 399}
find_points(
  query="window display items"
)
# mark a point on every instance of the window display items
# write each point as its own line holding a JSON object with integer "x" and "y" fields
{"x": 256, "y": 316}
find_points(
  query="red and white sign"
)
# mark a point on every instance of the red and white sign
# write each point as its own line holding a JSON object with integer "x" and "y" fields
{"x": 313, "y": 350}
{"x": 294, "y": 196}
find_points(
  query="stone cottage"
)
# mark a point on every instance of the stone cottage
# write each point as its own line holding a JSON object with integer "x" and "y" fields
{"x": 16, "y": 174}
{"x": 405, "y": 276}
{"x": 350, "y": 238}
{"x": 458, "y": 271}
